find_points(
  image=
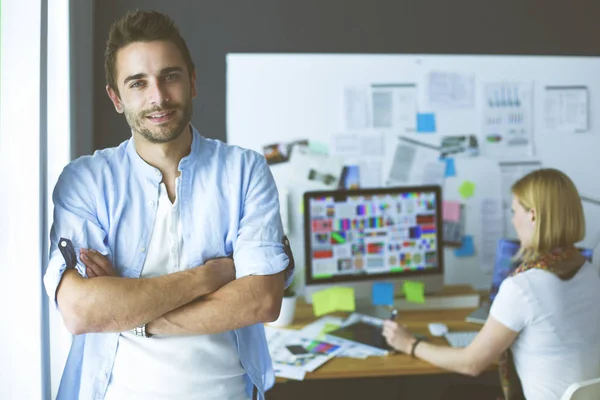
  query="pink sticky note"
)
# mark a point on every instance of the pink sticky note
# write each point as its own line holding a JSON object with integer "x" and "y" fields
{"x": 451, "y": 211}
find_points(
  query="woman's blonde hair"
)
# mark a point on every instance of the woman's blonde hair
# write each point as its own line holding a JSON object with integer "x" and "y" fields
{"x": 559, "y": 220}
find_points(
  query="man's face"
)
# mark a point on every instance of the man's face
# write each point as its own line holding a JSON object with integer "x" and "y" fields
{"x": 155, "y": 90}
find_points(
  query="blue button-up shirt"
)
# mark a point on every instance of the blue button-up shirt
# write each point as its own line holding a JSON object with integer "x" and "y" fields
{"x": 107, "y": 202}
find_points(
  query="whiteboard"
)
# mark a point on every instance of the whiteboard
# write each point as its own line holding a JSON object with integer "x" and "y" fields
{"x": 284, "y": 97}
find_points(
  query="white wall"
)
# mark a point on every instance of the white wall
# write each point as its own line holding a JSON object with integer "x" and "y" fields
{"x": 21, "y": 201}
{"x": 283, "y": 97}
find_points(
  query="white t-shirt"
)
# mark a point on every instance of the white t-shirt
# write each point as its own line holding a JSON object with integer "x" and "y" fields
{"x": 559, "y": 325}
{"x": 199, "y": 367}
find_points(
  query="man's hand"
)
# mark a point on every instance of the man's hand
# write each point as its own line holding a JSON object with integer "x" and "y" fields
{"x": 221, "y": 271}
{"x": 96, "y": 264}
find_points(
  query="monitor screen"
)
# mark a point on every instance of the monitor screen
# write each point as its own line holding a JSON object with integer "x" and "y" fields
{"x": 505, "y": 264}
{"x": 372, "y": 233}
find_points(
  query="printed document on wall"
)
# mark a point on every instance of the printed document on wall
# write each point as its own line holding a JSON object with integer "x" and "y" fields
{"x": 363, "y": 149}
{"x": 415, "y": 163}
{"x": 510, "y": 173}
{"x": 507, "y": 120}
{"x": 492, "y": 230}
{"x": 356, "y": 107}
{"x": 449, "y": 90}
{"x": 566, "y": 108}
{"x": 394, "y": 106}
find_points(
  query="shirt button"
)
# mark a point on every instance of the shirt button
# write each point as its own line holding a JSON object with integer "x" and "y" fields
{"x": 143, "y": 250}
{"x": 151, "y": 203}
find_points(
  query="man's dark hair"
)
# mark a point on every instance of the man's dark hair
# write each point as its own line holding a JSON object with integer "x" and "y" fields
{"x": 141, "y": 26}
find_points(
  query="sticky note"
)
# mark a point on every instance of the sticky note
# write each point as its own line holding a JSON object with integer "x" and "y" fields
{"x": 414, "y": 291}
{"x": 383, "y": 294}
{"x": 467, "y": 248}
{"x": 322, "y": 303}
{"x": 318, "y": 147}
{"x": 333, "y": 299}
{"x": 467, "y": 189}
{"x": 326, "y": 329}
{"x": 344, "y": 298}
{"x": 301, "y": 207}
{"x": 451, "y": 211}
{"x": 450, "y": 167}
{"x": 426, "y": 123}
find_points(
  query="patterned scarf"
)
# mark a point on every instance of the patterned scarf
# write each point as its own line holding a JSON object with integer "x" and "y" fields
{"x": 564, "y": 263}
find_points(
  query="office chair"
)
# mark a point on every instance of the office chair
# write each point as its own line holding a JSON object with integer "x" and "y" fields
{"x": 587, "y": 390}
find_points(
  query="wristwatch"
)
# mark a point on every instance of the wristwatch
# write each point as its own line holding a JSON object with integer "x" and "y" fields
{"x": 141, "y": 331}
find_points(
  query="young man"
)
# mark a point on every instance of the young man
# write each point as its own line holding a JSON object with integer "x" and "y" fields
{"x": 158, "y": 309}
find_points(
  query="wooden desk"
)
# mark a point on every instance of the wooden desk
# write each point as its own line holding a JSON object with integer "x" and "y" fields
{"x": 391, "y": 365}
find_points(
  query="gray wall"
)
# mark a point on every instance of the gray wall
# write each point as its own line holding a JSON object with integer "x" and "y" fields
{"x": 215, "y": 28}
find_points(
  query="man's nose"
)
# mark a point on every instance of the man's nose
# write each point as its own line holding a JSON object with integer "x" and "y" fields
{"x": 159, "y": 95}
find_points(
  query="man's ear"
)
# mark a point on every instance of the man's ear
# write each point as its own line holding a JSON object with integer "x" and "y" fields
{"x": 116, "y": 100}
{"x": 193, "y": 83}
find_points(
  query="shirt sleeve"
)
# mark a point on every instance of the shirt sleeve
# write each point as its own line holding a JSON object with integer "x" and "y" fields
{"x": 259, "y": 246}
{"x": 75, "y": 218}
{"x": 510, "y": 306}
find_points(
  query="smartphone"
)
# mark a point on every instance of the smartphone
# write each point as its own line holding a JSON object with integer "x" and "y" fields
{"x": 297, "y": 350}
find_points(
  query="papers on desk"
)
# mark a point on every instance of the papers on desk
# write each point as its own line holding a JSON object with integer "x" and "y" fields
{"x": 321, "y": 346}
{"x": 286, "y": 364}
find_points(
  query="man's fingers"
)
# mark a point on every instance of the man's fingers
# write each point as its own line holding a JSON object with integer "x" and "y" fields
{"x": 100, "y": 261}
{"x": 92, "y": 268}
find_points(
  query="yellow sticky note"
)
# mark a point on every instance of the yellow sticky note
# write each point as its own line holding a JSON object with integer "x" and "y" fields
{"x": 343, "y": 298}
{"x": 326, "y": 329}
{"x": 301, "y": 207}
{"x": 333, "y": 299}
{"x": 467, "y": 189}
{"x": 322, "y": 303}
{"x": 414, "y": 291}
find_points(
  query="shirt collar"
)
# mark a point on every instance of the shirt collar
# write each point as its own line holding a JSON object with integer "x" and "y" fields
{"x": 152, "y": 173}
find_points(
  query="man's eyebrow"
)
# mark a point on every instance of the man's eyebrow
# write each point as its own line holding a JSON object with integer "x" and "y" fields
{"x": 168, "y": 70}
{"x": 134, "y": 77}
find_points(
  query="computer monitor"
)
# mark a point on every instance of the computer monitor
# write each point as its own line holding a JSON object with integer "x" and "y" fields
{"x": 353, "y": 238}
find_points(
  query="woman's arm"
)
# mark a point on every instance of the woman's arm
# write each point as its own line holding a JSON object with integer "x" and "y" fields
{"x": 493, "y": 339}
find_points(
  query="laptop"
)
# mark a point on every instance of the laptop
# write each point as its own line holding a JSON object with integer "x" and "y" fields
{"x": 503, "y": 266}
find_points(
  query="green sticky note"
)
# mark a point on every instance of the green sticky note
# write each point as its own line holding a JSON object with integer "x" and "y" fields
{"x": 318, "y": 147}
{"x": 322, "y": 303}
{"x": 414, "y": 291}
{"x": 330, "y": 328}
{"x": 326, "y": 329}
{"x": 467, "y": 189}
{"x": 343, "y": 298}
{"x": 333, "y": 299}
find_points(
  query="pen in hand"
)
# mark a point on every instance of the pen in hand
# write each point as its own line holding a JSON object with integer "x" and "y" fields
{"x": 393, "y": 316}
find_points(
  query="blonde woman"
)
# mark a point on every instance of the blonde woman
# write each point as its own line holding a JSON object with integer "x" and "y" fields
{"x": 544, "y": 324}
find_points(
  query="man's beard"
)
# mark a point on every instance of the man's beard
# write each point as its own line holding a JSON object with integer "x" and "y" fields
{"x": 160, "y": 134}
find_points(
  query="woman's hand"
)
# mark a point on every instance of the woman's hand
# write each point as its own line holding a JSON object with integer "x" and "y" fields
{"x": 397, "y": 336}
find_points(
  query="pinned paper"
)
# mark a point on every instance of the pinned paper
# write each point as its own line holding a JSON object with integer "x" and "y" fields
{"x": 451, "y": 211}
{"x": 450, "y": 167}
{"x": 467, "y": 248}
{"x": 333, "y": 299}
{"x": 426, "y": 123}
{"x": 467, "y": 189}
{"x": 414, "y": 291}
{"x": 383, "y": 294}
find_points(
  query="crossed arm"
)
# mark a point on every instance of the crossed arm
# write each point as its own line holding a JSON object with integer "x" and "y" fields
{"x": 200, "y": 300}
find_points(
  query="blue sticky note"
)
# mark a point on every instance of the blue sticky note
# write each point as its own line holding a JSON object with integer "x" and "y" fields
{"x": 450, "y": 168}
{"x": 426, "y": 123}
{"x": 467, "y": 248}
{"x": 383, "y": 294}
